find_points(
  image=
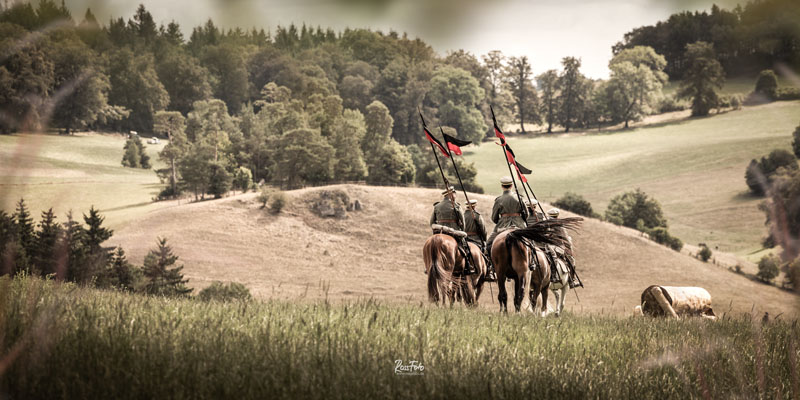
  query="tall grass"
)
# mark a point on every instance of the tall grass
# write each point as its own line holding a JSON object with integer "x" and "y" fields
{"x": 85, "y": 343}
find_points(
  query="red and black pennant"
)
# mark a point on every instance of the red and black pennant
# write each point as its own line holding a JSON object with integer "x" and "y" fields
{"x": 454, "y": 144}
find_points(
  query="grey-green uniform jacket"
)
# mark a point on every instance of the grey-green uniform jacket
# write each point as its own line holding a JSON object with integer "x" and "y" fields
{"x": 506, "y": 204}
{"x": 443, "y": 214}
{"x": 474, "y": 226}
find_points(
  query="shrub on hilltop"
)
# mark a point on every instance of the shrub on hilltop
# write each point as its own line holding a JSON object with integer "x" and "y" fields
{"x": 577, "y": 204}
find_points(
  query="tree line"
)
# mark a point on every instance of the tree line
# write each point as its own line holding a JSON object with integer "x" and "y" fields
{"x": 747, "y": 39}
{"x": 302, "y": 105}
{"x": 73, "y": 251}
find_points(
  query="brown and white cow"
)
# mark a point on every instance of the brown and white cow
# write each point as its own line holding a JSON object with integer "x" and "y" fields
{"x": 674, "y": 301}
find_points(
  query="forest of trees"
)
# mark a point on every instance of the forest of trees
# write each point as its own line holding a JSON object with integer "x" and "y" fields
{"x": 303, "y": 105}
{"x": 750, "y": 38}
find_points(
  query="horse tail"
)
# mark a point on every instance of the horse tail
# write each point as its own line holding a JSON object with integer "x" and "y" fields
{"x": 509, "y": 242}
{"x": 437, "y": 275}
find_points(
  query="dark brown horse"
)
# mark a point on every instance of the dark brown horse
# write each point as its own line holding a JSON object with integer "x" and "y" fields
{"x": 514, "y": 250}
{"x": 444, "y": 265}
{"x": 512, "y": 259}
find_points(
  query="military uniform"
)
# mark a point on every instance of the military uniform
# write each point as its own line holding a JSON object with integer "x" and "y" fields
{"x": 574, "y": 280}
{"x": 474, "y": 226}
{"x": 445, "y": 215}
{"x": 506, "y": 213}
{"x": 533, "y": 216}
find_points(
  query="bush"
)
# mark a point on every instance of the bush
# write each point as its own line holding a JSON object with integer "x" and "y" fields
{"x": 278, "y": 202}
{"x": 627, "y": 208}
{"x": 704, "y": 253}
{"x": 759, "y": 174}
{"x": 788, "y": 93}
{"x": 243, "y": 179}
{"x": 134, "y": 154}
{"x": 576, "y": 203}
{"x": 220, "y": 181}
{"x": 670, "y": 104}
{"x": 796, "y": 141}
{"x": 792, "y": 274}
{"x": 263, "y": 197}
{"x": 218, "y": 291}
{"x": 768, "y": 268}
{"x": 767, "y": 84}
{"x": 736, "y": 101}
{"x": 661, "y": 235}
{"x": 724, "y": 101}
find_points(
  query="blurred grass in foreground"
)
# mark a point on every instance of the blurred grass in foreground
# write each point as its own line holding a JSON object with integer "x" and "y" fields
{"x": 60, "y": 341}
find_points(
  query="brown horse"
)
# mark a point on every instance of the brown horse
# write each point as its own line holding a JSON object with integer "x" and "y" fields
{"x": 513, "y": 251}
{"x": 444, "y": 264}
{"x": 512, "y": 260}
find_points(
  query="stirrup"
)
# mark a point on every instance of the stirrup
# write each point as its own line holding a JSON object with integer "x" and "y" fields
{"x": 490, "y": 276}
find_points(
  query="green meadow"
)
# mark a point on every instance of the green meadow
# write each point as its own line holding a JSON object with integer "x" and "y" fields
{"x": 61, "y": 341}
{"x": 75, "y": 172}
{"x": 694, "y": 167}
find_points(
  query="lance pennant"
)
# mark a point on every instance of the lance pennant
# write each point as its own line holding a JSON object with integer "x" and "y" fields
{"x": 454, "y": 144}
{"x": 436, "y": 142}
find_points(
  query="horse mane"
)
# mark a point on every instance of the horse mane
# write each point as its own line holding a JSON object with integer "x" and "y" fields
{"x": 550, "y": 231}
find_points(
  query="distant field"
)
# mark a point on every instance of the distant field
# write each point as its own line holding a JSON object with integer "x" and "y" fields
{"x": 75, "y": 172}
{"x": 83, "y": 343}
{"x": 694, "y": 167}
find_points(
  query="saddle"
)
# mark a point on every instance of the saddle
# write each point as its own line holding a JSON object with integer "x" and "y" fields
{"x": 460, "y": 237}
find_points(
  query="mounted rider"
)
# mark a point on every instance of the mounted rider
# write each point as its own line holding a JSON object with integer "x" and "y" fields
{"x": 448, "y": 212}
{"x": 473, "y": 223}
{"x": 533, "y": 215}
{"x": 507, "y": 213}
{"x": 570, "y": 261}
{"x": 476, "y": 233}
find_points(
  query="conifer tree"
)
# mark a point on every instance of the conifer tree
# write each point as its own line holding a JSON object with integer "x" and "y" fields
{"x": 73, "y": 241}
{"x": 163, "y": 277}
{"x": 96, "y": 234}
{"x": 121, "y": 274}
{"x": 24, "y": 226}
{"x": 44, "y": 255}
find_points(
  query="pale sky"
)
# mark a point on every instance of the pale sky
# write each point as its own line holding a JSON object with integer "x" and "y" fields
{"x": 544, "y": 30}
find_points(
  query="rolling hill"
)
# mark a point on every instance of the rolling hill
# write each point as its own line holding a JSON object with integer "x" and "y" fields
{"x": 75, "y": 172}
{"x": 376, "y": 253}
{"x": 694, "y": 167}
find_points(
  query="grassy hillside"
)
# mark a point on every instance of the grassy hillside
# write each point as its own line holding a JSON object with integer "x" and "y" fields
{"x": 694, "y": 167}
{"x": 377, "y": 253}
{"x": 75, "y": 172}
{"x": 81, "y": 343}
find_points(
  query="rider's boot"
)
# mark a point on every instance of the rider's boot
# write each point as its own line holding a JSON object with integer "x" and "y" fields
{"x": 490, "y": 275}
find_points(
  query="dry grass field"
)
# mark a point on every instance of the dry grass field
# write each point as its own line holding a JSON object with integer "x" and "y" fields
{"x": 376, "y": 253}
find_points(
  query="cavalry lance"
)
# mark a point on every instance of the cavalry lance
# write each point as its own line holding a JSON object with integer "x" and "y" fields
{"x": 499, "y": 134}
{"x": 448, "y": 140}
{"x": 432, "y": 139}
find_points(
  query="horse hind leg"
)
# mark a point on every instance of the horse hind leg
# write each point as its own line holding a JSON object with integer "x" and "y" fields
{"x": 502, "y": 294}
{"x": 519, "y": 292}
{"x": 544, "y": 292}
{"x": 468, "y": 292}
